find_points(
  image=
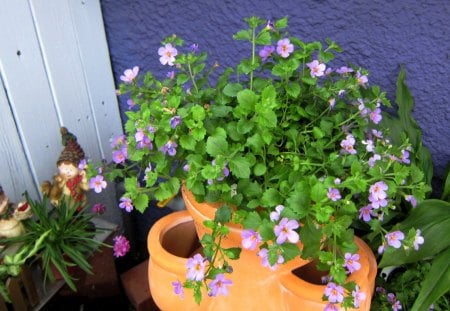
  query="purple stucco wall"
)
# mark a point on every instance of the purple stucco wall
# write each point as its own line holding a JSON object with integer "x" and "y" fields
{"x": 377, "y": 35}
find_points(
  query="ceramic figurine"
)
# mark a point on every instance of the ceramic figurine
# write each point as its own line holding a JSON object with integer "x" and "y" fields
{"x": 11, "y": 216}
{"x": 70, "y": 182}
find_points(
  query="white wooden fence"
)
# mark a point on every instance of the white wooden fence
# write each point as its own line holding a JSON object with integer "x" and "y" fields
{"x": 54, "y": 71}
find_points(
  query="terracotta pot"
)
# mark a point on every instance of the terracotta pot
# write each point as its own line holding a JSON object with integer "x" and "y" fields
{"x": 296, "y": 284}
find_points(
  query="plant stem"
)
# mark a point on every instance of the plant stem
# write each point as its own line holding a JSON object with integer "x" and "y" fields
{"x": 253, "y": 56}
{"x": 192, "y": 77}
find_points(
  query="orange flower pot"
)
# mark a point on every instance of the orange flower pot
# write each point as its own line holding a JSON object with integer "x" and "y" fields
{"x": 293, "y": 285}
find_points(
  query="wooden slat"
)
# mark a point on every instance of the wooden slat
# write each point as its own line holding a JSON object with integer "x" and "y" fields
{"x": 29, "y": 286}
{"x": 17, "y": 297}
{"x": 30, "y": 98}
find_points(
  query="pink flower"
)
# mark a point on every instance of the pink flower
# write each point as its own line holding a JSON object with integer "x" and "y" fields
{"x": 121, "y": 246}
{"x": 285, "y": 231}
{"x": 130, "y": 74}
{"x": 97, "y": 183}
{"x": 119, "y": 156}
{"x": 250, "y": 239}
{"x": 196, "y": 268}
{"x": 82, "y": 165}
{"x": 126, "y": 204}
{"x": 167, "y": 53}
{"x": 284, "y": 47}
{"x": 98, "y": 208}
{"x": 365, "y": 213}
{"x": 317, "y": 69}
{"x": 375, "y": 115}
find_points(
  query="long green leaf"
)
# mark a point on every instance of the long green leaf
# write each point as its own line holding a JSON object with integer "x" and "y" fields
{"x": 436, "y": 282}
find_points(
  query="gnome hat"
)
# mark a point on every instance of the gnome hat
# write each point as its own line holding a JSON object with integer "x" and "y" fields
{"x": 72, "y": 152}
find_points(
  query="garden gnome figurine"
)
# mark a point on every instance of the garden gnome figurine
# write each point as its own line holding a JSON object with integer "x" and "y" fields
{"x": 70, "y": 183}
{"x": 11, "y": 216}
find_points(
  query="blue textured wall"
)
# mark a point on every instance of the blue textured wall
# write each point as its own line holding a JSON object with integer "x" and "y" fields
{"x": 377, "y": 35}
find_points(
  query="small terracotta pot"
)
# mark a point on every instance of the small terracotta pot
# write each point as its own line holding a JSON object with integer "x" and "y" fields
{"x": 293, "y": 285}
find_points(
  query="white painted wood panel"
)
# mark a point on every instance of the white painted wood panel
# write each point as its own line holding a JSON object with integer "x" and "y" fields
{"x": 55, "y": 67}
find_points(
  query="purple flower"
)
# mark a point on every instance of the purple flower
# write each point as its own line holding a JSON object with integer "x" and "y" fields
{"x": 317, "y": 69}
{"x": 285, "y": 231}
{"x": 275, "y": 215}
{"x": 97, "y": 183}
{"x": 381, "y": 248}
{"x": 194, "y": 48}
{"x": 361, "y": 79}
{"x": 121, "y": 246}
{"x": 335, "y": 293}
{"x": 377, "y": 134}
{"x": 186, "y": 168}
{"x": 167, "y": 53}
{"x": 358, "y": 296}
{"x": 119, "y": 156}
{"x": 98, "y": 208}
{"x": 250, "y": 239}
{"x": 331, "y": 307}
{"x": 118, "y": 141}
{"x": 130, "y": 74}
{"x": 130, "y": 103}
{"x": 284, "y": 47}
{"x": 378, "y": 195}
{"x": 418, "y": 240}
{"x": 405, "y": 157}
{"x": 170, "y": 148}
{"x": 82, "y": 165}
{"x": 143, "y": 141}
{"x": 375, "y": 115}
{"x": 264, "y": 254}
{"x": 344, "y": 70}
{"x": 219, "y": 285}
{"x": 373, "y": 159}
{"x": 196, "y": 268}
{"x": 178, "y": 288}
{"x": 391, "y": 298}
{"x": 270, "y": 25}
{"x": 171, "y": 75}
{"x": 332, "y": 102}
{"x": 395, "y": 238}
{"x": 126, "y": 204}
{"x": 348, "y": 144}
{"x": 175, "y": 121}
{"x": 266, "y": 52}
{"x": 396, "y": 305}
{"x": 369, "y": 145}
{"x": 411, "y": 199}
{"x": 333, "y": 194}
{"x": 366, "y": 213}
{"x": 352, "y": 262}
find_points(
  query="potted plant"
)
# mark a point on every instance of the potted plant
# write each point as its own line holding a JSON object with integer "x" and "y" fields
{"x": 288, "y": 145}
{"x": 66, "y": 238}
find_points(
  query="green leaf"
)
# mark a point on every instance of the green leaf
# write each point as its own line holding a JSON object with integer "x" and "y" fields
{"x": 247, "y": 100}
{"x": 271, "y": 197}
{"x": 223, "y": 214}
{"x": 232, "y": 89}
{"x": 290, "y": 251}
{"x": 259, "y": 169}
{"x": 188, "y": 142}
{"x": 198, "y": 113}
{"x": 243, "y": 35}
{"x": 232, "y": 253}
{"x": 216, "y": 146}
{"x": 240, "y": 167}
{"x": 252, "y": 221}
{"x": 436, "y": 282}
{"x": 318, "y": 192}
{"x": 141, "y": 202}
{"x": 130, "y": 184}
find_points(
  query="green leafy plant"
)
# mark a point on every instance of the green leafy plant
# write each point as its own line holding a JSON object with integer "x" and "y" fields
{"x": 285, "y": 138}
{"x": 66, "y": 239}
